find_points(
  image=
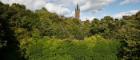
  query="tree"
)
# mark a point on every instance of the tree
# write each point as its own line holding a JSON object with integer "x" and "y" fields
{"x": 10, "y": 50}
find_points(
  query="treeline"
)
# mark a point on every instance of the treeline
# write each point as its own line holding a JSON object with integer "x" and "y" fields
{"x": 126, "y": 30}
{"x": 19, "y": 27}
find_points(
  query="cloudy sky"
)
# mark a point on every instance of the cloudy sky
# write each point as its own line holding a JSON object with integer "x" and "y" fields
{"x": 89, "y": 8}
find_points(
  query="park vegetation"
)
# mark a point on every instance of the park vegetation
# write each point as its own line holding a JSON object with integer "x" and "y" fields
{"x": 41, "y": 35}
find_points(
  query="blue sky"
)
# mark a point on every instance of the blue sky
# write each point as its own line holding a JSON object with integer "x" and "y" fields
{"x": 89, "y": 8}
{"x": 116, "y": 8}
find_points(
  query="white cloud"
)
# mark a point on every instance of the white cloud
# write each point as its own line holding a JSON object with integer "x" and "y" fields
{"x": 128, "y": 13}
{"x": 30, "y": 4}
{"x": 94, "y": 5}
{"x": 129, "y": 1}
{"x": 63, "y": 7}
{"x": 57, "y": 9}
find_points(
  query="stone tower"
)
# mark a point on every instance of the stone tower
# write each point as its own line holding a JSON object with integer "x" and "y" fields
{"x": 77, "y": 12}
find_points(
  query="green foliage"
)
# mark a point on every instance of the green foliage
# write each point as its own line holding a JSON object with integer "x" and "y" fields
{"x": 92, "y": 48}
{"x": 66, "y": 37}
{"x": 126, "y": 30}
{"x": 9, "y": 49}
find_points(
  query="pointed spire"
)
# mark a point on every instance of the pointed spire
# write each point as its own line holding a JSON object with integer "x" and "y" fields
{"x": 77, "y": 12}
{"x": 77, "y": 8}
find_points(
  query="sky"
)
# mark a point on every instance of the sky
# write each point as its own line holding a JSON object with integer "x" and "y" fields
{"x": 89, "y": 8}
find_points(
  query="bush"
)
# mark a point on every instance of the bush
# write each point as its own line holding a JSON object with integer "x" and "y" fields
{"x": 92, "y": 48}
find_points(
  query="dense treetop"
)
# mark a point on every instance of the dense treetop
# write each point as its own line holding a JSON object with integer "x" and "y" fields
{"x": 19, "y": 27}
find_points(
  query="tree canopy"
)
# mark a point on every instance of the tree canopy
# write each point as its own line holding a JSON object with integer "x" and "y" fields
{"x": 21, "y": 29}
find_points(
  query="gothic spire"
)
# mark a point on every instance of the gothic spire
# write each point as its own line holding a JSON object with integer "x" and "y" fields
{"x": 77, "y": 12}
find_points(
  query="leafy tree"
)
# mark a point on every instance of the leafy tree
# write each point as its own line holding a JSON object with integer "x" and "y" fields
{"x": 10, "y": 49}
